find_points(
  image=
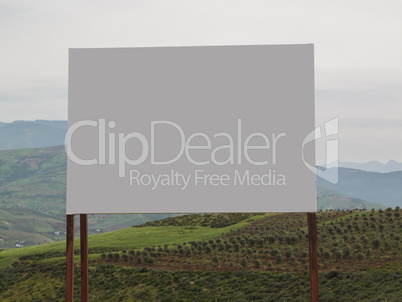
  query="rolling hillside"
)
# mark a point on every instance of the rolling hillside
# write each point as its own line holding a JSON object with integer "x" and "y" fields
{"x": 33, "y": 189}
{"x": 24, "y": 227}
{"x": 329, "y": 200}
{"x": 34, "y": 179}
{"x": 33, "y": 182}
{"x": 252, "y": 258}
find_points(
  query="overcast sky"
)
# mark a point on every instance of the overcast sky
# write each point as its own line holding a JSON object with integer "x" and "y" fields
{"x": 358, "y": 47}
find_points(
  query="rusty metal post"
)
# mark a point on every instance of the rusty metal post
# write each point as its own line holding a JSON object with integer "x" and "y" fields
{"x": 70, "y": 259}
{"x": 84, "y": 257}
{"x": 313, "y": 257}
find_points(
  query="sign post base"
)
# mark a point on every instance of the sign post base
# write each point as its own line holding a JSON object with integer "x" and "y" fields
{"x": 313, "y": 257}
{"x": 84, "y": 258}
{"x": 70, "y": 259}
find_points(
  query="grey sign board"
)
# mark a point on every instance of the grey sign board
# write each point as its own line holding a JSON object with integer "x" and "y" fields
{"x": 191, "y": 129}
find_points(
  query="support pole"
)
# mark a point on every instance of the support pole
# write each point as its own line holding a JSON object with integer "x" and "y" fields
{"x": 70, "y": 259}
{"x": 313, "y": 258}
{"x": 84, "y": 258}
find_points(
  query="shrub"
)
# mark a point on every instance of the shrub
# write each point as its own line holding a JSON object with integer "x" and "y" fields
{"x": 116, "y": 256}
{"x": 274, "y": 252}
{"x": 346, "y": 251}
{"x": 338, "y": 254}
{"x": 243, "y": 262}
{"x": 257, "y": 263}
{"x": 360, "y": 256}
{"x": 376, "y": 242}
{"x": 327, "y": 255}
{"x": 278, "y": 258}
{"x": 288, "y": 254}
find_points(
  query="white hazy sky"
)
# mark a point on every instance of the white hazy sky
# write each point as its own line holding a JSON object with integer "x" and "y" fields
{"x": 358, "y": 47}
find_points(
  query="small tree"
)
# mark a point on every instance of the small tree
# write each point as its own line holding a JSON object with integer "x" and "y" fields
{"x": 243, "y": 262}
{"x": 257, "y": 263}
{"x": 288, "y": 254}
{"x": 278, "y": 258}
{"x": 346, "y": 251}
{"x": 274, "y": 252}
{"x": 327, "y": 255}
{"x": 338, "y": 254}
{"x": 360, "y": 256}
{"x": 376, "y": 242}
{"x": 304, "y": 254}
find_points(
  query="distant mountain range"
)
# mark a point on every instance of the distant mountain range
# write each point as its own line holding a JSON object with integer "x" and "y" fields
{"x": 32, "y": 134}
{"x": 383, "y": 188}
{"x": 372, "y": 166}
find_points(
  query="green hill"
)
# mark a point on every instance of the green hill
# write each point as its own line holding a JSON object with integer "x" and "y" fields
{"x": 34, "y": 179}
{"x": 34, "y": 182}
{"x": 32, "y": 134}
{"x": 33, "y": 199}
{"x": 24, "y": 227}
{"x": 254, "y": 258}
{"x": 328, "y": 199}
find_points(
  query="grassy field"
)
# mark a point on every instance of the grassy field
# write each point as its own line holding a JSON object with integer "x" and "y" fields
{"x": 129, "y": 238}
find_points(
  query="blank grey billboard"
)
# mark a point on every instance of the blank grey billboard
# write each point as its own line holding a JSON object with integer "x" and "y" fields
{"x": 191, "y": 129}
